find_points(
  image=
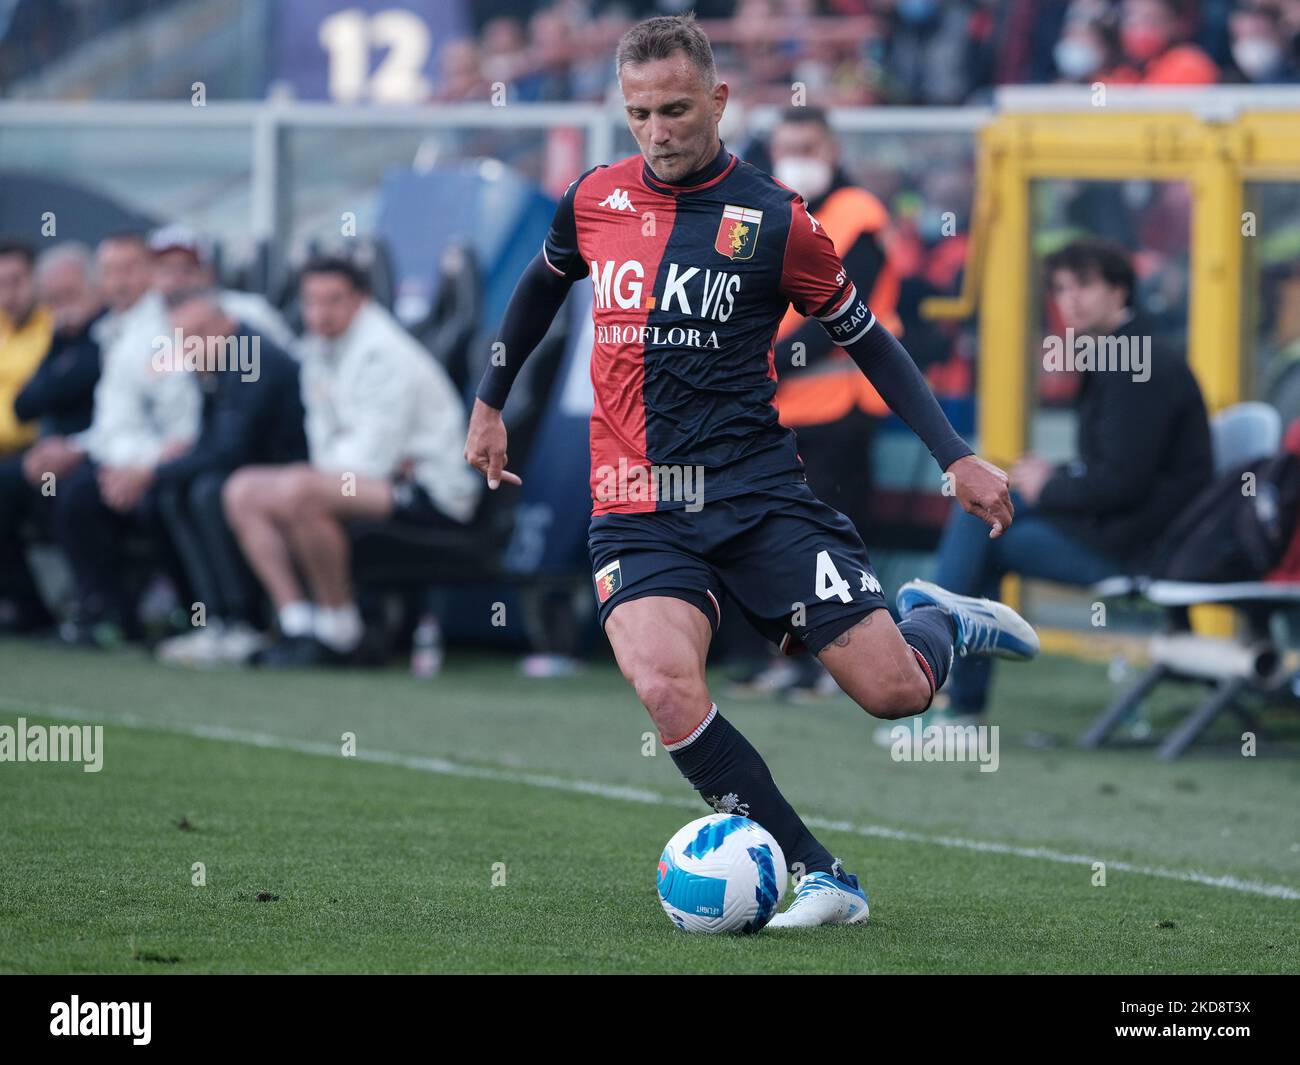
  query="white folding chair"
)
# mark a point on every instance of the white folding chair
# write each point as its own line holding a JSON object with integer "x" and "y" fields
{"x": 1232, "y": 666}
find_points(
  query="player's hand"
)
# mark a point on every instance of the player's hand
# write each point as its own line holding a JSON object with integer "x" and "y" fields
{"x": 982, "y": 489}
{"x": 485, "y": 445}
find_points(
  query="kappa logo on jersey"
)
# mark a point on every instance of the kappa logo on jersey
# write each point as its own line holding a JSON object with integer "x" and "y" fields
{"x": 618, "y": 200}
{"x": 870, "y": 584}
{"x": 738, "y": 232}
{"x": 609, "y": 579}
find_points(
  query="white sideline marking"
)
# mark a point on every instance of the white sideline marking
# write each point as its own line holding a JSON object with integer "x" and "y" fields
{"x": 446, "y": 767}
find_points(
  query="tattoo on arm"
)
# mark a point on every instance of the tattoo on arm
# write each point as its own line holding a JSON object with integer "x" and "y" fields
{"x": 842, "y": 640}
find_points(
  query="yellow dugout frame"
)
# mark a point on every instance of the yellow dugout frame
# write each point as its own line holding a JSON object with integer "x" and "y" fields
{"x": 1215, "y": 158}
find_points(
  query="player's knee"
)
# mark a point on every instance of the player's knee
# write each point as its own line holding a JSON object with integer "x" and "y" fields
{"x": 676, "y": 701}
{"x": 899, "y": 696}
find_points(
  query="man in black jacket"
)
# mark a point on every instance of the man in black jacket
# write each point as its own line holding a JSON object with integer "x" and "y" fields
{"x": 252, "y": 415}
{"x": 1143, "y": 444}
{"x": 59, "y": 398}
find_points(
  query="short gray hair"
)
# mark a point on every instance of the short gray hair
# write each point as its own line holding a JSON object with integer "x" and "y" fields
{"x": 70, "y": 251}
{"x": 660, "y": 38}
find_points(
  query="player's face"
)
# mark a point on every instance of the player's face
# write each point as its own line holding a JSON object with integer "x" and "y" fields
{"x": 1087, "y": 304}
{"x": 329, "y": 303}
{"x": 673, "y": 114}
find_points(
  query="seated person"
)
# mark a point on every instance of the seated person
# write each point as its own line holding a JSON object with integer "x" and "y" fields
{"x": 142, "y": 418}
{"x": 57, "y": 399}
{"x": 384, "y": 432}
{"x": 26, "y": 329}
{"x": 252, "y": 415}
{"x": 1143, "y": 443}
{"x": 123, "y": 272}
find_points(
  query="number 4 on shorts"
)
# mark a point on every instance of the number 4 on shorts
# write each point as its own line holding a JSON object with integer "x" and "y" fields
{"x": 829, "y": 581}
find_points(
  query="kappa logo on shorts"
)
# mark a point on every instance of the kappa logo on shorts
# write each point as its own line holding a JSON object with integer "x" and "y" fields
{"x": 870, "y": 584}
{"x": 609, "y": 579}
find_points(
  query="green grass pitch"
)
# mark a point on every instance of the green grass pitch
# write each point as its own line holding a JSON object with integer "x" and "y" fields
{"x": 490, "y": 823}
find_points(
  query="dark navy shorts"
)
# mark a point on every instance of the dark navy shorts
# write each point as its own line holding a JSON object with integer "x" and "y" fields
{"x": 795, "y": 566}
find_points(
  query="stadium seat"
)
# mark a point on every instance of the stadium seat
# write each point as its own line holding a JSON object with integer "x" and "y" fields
{"x": 1243, "y": 432}
{"x": 376, "y": 258}
{"x": 265, "y": 273}
{"x": 449, "y": 329}
{"x": 1249, "y": 661}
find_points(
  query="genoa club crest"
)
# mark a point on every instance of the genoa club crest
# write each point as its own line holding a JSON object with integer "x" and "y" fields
{"x": 738, "y": 233}
{"x": 609, "y": 579}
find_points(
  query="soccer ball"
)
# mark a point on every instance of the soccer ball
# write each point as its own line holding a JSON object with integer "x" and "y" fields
{"x": 722, "y": 873}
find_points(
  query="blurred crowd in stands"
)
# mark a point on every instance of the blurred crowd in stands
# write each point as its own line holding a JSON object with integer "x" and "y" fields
{"x": 865, "y": 52}
{"x": 846, "y": 52}
{"x": 34, "y": 32}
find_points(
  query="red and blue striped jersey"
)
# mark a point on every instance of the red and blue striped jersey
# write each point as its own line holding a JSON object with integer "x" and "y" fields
{"x": 690, "y": 285}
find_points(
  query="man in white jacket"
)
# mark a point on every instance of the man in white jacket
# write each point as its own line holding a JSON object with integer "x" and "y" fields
{"x": 384, "y": 431}
{"x": 146, "y": 413}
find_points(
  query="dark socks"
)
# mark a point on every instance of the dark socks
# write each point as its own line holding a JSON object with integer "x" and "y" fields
{"x": 930, "y": 632}
{"x": 732, "y": 777}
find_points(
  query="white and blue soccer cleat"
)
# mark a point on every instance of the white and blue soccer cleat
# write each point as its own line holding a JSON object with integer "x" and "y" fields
{"x": 821, "y": 898}
{"x": 984, "y": 626}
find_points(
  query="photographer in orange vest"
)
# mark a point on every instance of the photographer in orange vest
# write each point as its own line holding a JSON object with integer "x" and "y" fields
{"x": 822, "y": 394}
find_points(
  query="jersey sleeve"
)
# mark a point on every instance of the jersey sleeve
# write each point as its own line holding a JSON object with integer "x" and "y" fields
{"x": 560, "y": 249}
{"x": 814, "y": 279}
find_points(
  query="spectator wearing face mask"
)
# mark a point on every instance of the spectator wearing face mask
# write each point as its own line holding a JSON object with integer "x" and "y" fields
{"x": 819, "y": 387}
{"x": 1154, "y": 38}
{"x": 1088, "y": 52}
{"x": 1262, "y": 50}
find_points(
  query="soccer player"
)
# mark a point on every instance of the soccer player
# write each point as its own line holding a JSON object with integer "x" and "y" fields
{"x": 697, "y": 488}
